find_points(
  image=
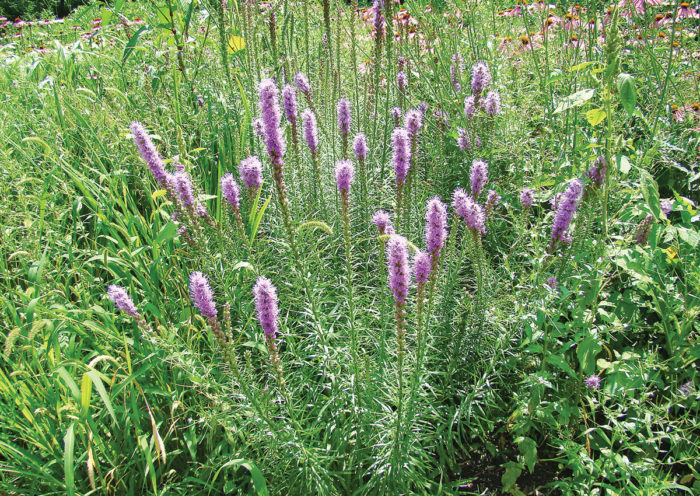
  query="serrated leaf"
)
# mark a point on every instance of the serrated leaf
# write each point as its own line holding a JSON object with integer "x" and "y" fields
{"x": 574, "y": 100}
{"x": 595, "y": 116}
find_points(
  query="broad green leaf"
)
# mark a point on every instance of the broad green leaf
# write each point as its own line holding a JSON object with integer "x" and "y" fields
{"x": 595, "y": 116}
{"x": 574, "y": 100}
{"x": 68, "y": 465}
{"x": 528, "y": 448}
{"x": 650, "y": 190}
{"x": 560, "y": 363}
{"x": 85, "y": 393}
{"x": 256, "y": 475}
{"x": 167, "y": 232}
{"x": 623, "y": 163}
{"x": 510, "y": 476}
{"x": 99, "y": 385}
{"x": 586, "y": 352}
{"x": 628, "y": 92}
{"x": 689, "y": 236}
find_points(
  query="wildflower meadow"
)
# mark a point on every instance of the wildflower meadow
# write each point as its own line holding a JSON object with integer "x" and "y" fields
{"x": 325, "y": 247}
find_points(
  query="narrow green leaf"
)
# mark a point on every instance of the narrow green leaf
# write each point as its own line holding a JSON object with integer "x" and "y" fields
{"x": 68, "y": 464}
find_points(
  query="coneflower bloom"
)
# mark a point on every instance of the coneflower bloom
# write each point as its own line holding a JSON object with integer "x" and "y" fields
{"x": 481, "y": 77}
{"x": 565, "y": 213}
{"x": 435, "y": 228}
{"x": 469, "y": 107}
{"x": 463, "y": 139}
{"x": 382, "y": 220}
{"x": 527, "y": 197}
{"x": 201, "y": 295}
{"x": 250, "y": 171}
{"x": 479, "y": 176}
{"x": 492, "y": 103}
{"x": 149, "y": 153}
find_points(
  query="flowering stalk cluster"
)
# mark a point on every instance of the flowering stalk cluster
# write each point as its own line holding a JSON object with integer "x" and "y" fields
{"x": 267, "y": 310}
{"x": 566, "y": 209}
{"x": 122, "y": 301}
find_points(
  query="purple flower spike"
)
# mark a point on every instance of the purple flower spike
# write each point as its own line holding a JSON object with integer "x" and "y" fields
{"x": 289, "y": 97}
{"x": 597, "y": 171}
{"x": 666, "y": 206}
{"x": 643, "y": 230}
{"x": 479, "y": 176}
{"x": 302, "y": 83}
{"x": 399, "y": 271}
{"x": 469, "y": 106}
{"x": 423, "y": 108}
{"x": 565, "y": 212}
{"x": 396, "y": 114}
{"x": 527, "y": 197}
{"x": 492, "y": 103}
{"x": 258, "y": 127}
{"x": 382, "y": 220}
{"x": 201, "y": 295}
{"x": 469, "y": 210}
{"x": 402, "y": 80}
{"x": 492, "y": 202}
{"x": 402, "y": 154}
{"x": 149, "y": 153}
{"x": 344, "y": 176}
{"x": 122, "y": 300}
{"x": 553, "y": 283}
{"x": 435, "y": 226}
{"x": 250, "y": 171}
{"x": 344, "y": 117}
{"x": 413, "y": 121}
{"x": 182, "y": 184}
{"x": 481, "y": 77}
{"x": 592, "y": 382}
{"x": 270, "y": 111}
{"x": 266, "y": 306}
{"x": 310, "y": 129}
{"x": 463, "y": 139}
{"x": 230, "y": 190}
{"x": 359, "y": 144}
{"x": 422, "y": 267}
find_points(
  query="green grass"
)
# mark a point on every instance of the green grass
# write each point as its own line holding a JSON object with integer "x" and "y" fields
{"x": 93, "y": 404}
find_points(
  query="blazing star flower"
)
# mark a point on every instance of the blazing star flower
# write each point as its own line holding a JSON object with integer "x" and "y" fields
{"x": 402, "y": 80}
{"x": 396, "y": 115}
{"x": 266, "y": 306}
{"x": 422, "y": 267}
{"x": 643, "y": 230}
{"x": 258, "y": 127}
{"x": 402, "y": 154}
{"x": 553, "y": 282}
{"x": 360, "y": 147}
{"x": 310, "y": 129}
{"x": 666, "y": 206}
{"x": 182, "y": 184}
{"x": 122, "y": 300}
{"x": 344, "y": 117}
{"x": 472, "y": 213}
{"x": 527, "y": 197}
{"x": 230, "y": 190}
{"x": 597, "y": 171}
{"x": 565, "y": 212}
{"x": 250, "y": 171}
{"x": 289, "y": 97}
{"x": 399, "y": 272}
{"x": 463, "y": 139}
{"x": 422, "y": 108}
{"x": 435, "y": 226}
{"x": 492, "y": 202}
{"x": 201, "y": 295}
{"x": 469, "y": 106}
{"x": 270, "y": 111}
{"x": 149, "y": 153}
{"x": 413, "y": 121}
{"x": 481, "y": 77}
{"x": 382, "y": 220}
{"x": 592, "y": 382}
{"x": 302, "y": 83}
{"x": 492, "y": 103}
{"x": 344, "y": 176}
{"x": 479, "y": 176}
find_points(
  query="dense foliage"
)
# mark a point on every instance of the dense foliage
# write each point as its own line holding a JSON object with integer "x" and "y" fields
{"x": 292, "y": 247}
